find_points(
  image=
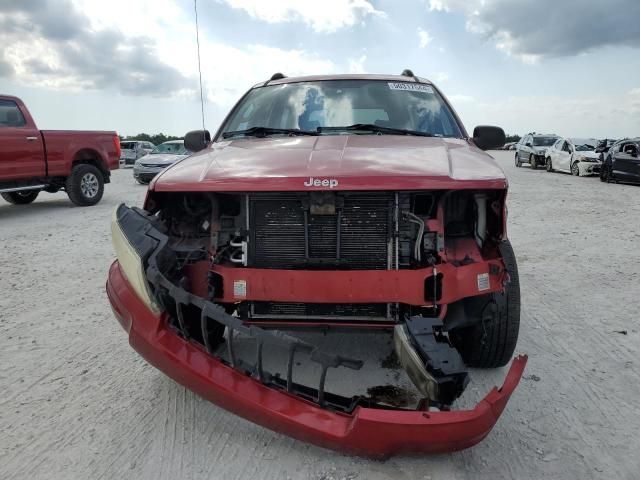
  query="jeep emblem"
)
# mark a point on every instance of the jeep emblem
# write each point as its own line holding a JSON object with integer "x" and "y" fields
{"x": 326, "y": 182}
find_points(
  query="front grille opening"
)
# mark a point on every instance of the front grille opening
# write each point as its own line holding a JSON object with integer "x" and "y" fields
{"x": 285, "y": 233}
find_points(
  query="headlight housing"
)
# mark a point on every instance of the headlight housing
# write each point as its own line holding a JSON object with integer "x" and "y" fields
{"x": 131, "y": 262}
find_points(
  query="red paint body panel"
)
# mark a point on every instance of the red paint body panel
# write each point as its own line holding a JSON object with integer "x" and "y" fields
{"x": 27, "y": 153}
{"x": 358, "y": 286}
{"x": 370, "y": 432}
{"x": 358, "y": 162}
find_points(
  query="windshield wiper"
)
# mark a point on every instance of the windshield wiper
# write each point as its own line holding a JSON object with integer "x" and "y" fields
{"x": 264, "y": 131}
{"x": 370, "y": 127}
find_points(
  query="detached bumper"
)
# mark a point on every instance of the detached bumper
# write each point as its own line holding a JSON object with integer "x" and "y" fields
{"x": 367, "y": 431}
{"x": 589, "y": 168}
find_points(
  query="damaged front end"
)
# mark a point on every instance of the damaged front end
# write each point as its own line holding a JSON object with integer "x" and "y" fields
{"x": 169, "y": 298}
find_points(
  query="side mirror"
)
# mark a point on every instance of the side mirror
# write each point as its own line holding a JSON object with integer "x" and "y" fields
{"x": 197, "y": 140}
{"x": 487, "y": 137}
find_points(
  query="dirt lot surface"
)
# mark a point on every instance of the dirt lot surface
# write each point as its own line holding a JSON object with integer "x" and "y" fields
{"x": 77, "y": 402}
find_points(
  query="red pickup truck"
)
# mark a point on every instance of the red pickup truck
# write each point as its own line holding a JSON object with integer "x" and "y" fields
{"x": 33, "y": 160}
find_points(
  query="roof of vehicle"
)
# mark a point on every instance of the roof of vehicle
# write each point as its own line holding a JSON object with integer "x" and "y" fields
{"x": 347, "y": 76}
{"x": 583, "y": 141}
{"x": 172, "y": 141}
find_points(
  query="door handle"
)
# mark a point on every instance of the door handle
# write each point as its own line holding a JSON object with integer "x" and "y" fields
{"x": 31, "y": 139}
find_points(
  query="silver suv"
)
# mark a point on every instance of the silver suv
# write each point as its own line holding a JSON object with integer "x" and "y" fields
{"x": 532, "y": 147}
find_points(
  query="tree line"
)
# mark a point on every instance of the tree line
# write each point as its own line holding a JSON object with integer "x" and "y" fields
{"x": 156, "y": 138}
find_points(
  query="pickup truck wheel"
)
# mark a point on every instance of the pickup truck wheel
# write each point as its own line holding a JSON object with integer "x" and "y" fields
{"x": 518, "y": 162}
{"x": 21, "y": 198}
{"x": 491, "y": 342}
{"x": 549, "y": 165}
{"x": 85, "y": 185}
{"x": 533, "y": 162}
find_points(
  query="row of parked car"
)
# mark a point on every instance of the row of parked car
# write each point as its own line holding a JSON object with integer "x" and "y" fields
{"x": 612, "y": 160}
{"x": 148, "y": 159}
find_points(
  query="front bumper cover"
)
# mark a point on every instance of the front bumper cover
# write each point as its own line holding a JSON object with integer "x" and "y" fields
{"x": 371, "y": 432}
{"x": 279, "y": 404}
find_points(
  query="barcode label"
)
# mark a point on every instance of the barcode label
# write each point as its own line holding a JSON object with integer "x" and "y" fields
{"x": 411, "y": 87}
{"x": 483, "y": 282}
{"x": 240, "y": 288}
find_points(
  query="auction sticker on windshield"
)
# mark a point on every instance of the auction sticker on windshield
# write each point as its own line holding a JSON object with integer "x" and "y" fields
{"x": 412, "y": 87}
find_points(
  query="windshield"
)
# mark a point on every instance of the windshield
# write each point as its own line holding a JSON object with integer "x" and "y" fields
{"x": 584, "y": 148}
{"x": 171, "y": 148}
{"x": 307, "y": 106}
{"x": 544, "y": 141}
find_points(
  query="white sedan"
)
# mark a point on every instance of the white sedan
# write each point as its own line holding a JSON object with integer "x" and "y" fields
{"x": 574, "y": 155}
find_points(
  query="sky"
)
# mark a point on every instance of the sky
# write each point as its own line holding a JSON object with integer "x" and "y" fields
{"x": 569, "y": 67}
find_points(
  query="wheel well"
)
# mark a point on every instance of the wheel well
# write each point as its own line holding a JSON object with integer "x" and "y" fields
{"x": 91, "y": 157}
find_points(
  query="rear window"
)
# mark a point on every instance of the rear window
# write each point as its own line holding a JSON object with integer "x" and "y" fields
{"x": 10, "y": 115}
{"x": 128, "y": 145}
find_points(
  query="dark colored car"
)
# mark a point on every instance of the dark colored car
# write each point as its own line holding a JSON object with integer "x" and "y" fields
{"x": 33, "y": 160}
{"x": 622, "y": 162}
{"x": 342, "y": 202}
{"x": 532, "y": 149}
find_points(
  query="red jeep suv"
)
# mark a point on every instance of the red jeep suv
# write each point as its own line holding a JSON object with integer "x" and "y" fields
{"x": 328, "y": 202}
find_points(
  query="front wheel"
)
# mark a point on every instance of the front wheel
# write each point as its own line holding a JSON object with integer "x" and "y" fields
{"x": 575, "y": 170}
{"x": 549, "y": 165}
{"x": 518, "y": 162}
{"x": 85, "y": 185}
{"x": 533, "y": 162}
{"x": 492, "y": 341}
{"x": 21, "y": 198}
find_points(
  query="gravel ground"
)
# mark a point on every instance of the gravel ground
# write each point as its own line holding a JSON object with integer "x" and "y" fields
{"x": 78, "y": 403}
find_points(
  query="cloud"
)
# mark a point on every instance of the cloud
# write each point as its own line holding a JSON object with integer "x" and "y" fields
{"x": 441, "y": 77}
{"x": 425, "y": 37}
{"x": 325, "y": 16}
{"x": 612, "y": 116}
{"x": 356, "y": 65}
{"x": 53, "y": 44}
{"x": 548, "y": 28}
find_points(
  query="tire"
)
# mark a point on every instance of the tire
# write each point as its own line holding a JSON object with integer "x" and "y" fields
{"x": 518, "y": 162}
{"x": 85, "y": 185}
{"x": 549, "y": 165}
{"x": 492, "y": 341}
{"x": 603, "y": 174}
{"x": 533, "y": 161}
{"x": 21, "y": 198}
{"x": 141, "y": 182}
{"x": 575, "y": 170}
